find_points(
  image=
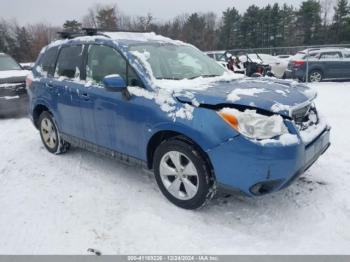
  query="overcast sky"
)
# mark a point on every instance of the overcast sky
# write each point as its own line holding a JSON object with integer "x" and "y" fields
{"x": 55, "y": 12}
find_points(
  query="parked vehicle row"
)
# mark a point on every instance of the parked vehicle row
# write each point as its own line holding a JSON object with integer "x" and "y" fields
{"x": 164, "y": 105}
{"x": 13, "y": 95}
{"x": 317, "y": 63}
{"x": 321, "y": 64}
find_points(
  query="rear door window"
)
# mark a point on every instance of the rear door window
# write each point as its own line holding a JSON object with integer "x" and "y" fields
{"x": 46, "y": 66}
{"x": 69, "y": 63}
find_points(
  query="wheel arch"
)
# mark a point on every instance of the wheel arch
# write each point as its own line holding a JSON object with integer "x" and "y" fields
{"x": 317, "y": 68}
{"x": 164, "y": 135}
{"x": 37, "y": 111}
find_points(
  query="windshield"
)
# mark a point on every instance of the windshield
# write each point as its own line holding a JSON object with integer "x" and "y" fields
{"x": 177, "y": 62}
{"x": 8, "y": 63}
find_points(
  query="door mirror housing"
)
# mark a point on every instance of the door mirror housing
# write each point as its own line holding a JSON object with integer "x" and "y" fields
{"x": 114, "y": 83}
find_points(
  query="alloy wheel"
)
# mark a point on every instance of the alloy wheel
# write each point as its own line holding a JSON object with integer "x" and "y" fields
{"x": 315, "y": 77}
{"x": 48, "y": 132}
{"x": 179, "y": 175}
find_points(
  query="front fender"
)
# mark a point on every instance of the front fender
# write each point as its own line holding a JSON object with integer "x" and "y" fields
{"x": 206, "y": 128}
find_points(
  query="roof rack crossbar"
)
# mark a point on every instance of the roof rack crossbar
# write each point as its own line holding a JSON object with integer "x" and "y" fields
{"x": 91, "y": 32}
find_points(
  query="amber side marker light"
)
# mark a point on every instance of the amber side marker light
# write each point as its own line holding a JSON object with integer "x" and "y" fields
{"x": 230, "y": 119}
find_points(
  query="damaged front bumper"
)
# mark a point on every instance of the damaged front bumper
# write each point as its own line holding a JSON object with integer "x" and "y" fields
{"x": 256, "y": 169}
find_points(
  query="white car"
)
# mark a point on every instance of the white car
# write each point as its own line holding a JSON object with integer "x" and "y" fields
{"x": 278, "y": 66}
{"x": 218, "y": 56}
{"x": 285, "y": 57}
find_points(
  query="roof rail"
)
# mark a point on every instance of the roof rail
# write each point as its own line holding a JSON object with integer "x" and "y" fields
{"x": 69, "y": 35}
{"x": 91, "y": 32}
{"x": 84, "y": 32}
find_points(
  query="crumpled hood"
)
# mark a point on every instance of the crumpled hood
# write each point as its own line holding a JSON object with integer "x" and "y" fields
{"x": 278, "y": 96}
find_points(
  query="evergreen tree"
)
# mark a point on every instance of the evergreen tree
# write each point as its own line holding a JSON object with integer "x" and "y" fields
{"x": 229, "y": 33}
{"x": 251, "y": 28}
{"x": 23, "y": 44}
{"x": 107, "y": 18}
{"x": 309, "y": 22}
{"x": 72, "y": 26}
{"x": 194, "y": 30}
{"x": 340, "y": 20}
{"x": 288, "y": 26}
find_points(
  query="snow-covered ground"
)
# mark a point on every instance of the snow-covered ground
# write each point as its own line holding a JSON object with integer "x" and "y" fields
{"x": 69, "y": 203}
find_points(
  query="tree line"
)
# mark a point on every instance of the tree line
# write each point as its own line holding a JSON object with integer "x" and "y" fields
{"x": 312, "y": 23}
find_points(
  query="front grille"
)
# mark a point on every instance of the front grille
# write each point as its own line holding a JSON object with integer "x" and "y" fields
{"x": 11, "y": 89}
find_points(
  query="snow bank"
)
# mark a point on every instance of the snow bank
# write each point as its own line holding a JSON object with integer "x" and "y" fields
{"x": 68, "y": 204}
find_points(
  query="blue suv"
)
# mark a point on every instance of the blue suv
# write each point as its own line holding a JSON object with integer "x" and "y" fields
{"x": 164, "y": 105}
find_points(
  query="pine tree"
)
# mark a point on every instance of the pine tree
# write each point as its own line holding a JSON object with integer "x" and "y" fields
{"x": 340, "y": 19}
{"x": 229, "y": 33}
{"x": 107, "y": 18}
{"x": 23, "y": 44}
{"x": 72, "y": 26}
{"x": 252, "y": 28}
{"x": 194, "y": 30}
{"x": 309, "y": 22}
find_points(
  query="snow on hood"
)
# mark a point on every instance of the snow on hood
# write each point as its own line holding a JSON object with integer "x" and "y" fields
{"x": 13, "y": 73}
{"x": 271, "y": 95}
{"x": 278, "y": 96}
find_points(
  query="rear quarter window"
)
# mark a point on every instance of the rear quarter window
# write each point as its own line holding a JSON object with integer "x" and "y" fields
{"x": 69, "y": 62}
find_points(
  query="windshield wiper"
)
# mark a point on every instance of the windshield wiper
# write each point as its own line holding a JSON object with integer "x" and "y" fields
{"x": 205, "y": 76}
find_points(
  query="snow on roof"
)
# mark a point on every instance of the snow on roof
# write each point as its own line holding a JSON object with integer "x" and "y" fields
{"x": 141, "y": 37}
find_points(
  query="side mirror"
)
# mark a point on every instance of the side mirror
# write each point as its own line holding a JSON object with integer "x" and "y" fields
{"x": 114, "y": 83}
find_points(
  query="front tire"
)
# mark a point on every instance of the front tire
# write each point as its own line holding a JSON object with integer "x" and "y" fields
{"x": 182, "y": 174}
{"x": 50, "y": 136}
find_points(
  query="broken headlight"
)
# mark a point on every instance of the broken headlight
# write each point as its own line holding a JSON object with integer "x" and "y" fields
{"x": 253, "y": 125}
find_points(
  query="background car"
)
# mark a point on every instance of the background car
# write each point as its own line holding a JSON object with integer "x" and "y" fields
{"x": 13, "y": 95}
{"x": 278, "y": 66}
{"x": 323, "y": 64}
{"x": 284, "y": 57}
{"x": 218, "y": 56}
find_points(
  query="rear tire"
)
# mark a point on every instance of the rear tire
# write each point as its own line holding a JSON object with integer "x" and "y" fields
{"x": 315, "y": 76}
{"x": 50, "y": 136}
{"x": 182, "y": 174}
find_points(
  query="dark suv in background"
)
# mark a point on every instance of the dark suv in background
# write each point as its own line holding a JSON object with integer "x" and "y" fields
{"x": 323, "y": 64}
{"x": 13, "y": 94}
